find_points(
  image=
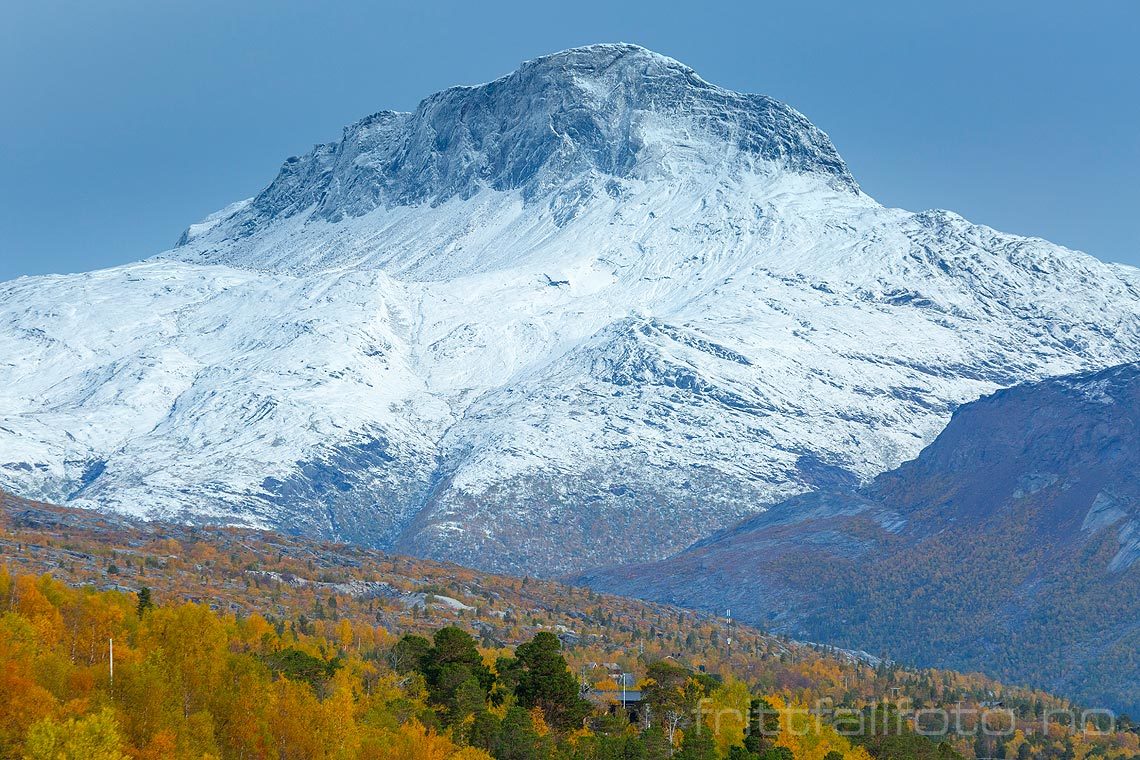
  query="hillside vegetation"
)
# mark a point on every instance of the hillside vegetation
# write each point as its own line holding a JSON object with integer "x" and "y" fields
{"x": 240, "y": 644}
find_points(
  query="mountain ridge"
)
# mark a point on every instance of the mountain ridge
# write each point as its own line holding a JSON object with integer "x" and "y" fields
{"x": 1010, "y": 544}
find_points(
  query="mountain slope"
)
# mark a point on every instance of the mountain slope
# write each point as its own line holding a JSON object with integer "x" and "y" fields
{"x": 596, "y": 309}
{"x": 1011, "y": 545}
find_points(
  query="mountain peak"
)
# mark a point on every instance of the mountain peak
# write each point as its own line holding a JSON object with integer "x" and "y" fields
{"x": 590, "y": 115}
{"x": 602, "y": 56}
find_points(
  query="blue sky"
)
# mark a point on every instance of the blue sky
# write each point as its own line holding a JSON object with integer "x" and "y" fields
{"x": 126, "y": 120}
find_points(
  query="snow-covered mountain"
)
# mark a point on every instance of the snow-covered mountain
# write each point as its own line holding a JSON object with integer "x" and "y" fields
{"x": 585, "y": 313}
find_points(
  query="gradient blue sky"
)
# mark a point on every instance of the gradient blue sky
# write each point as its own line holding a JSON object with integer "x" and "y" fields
{"x": 126, "y": 120}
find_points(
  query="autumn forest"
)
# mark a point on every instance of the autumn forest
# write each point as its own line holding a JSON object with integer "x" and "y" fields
{"x": 128, "y": 640}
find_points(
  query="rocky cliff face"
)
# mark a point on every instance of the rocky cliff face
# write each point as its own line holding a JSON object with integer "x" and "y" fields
{"x": 596, "y": 308}
{"x": 552, "y": 128}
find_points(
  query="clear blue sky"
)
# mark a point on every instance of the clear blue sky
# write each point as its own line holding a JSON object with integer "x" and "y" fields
{"x": 125, "y": 120}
